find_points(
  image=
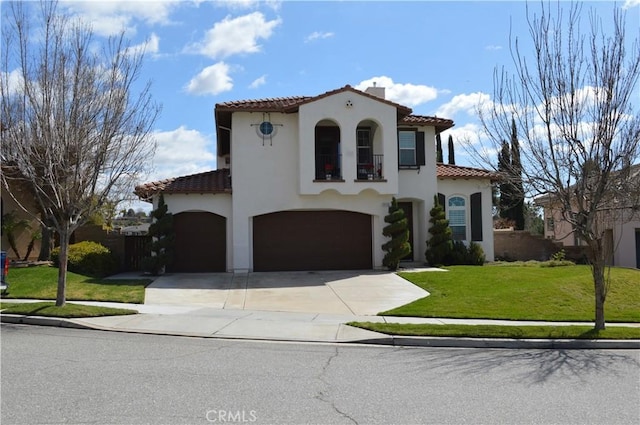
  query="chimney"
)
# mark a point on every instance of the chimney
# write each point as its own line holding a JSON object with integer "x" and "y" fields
{"x": 376, "y": 91}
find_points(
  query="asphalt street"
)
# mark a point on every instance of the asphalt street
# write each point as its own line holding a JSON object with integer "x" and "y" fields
{"x": 55, "y": 376}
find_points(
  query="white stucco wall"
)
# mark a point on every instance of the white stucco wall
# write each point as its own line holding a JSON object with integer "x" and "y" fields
{"x": 625, "y": 237}
{"x": 465, "y": 188}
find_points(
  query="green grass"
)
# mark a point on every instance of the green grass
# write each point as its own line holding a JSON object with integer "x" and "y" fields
{"x": 49, "y": 309}
{"x": 41, "y": 283}
{"x": 494, "y": 331}
{"x": 517, "y": 292}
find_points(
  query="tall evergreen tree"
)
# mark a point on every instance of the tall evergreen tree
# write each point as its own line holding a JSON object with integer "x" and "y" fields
{"x": 517, "y": 193}
{"x": 398, "y": 230}
{"x": 452, "y": 156}
{"x": 161, "y": 230}
{"x": 504, "y": 166}
{"x": 439, "y": 157}
{"x": 440, "y": 245}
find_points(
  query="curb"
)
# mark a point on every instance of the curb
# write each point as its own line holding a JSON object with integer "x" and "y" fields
{"x": 42, "y": 321}
{"x": 387, "y": 340}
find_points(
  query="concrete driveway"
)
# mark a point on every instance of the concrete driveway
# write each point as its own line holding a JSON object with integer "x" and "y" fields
{"x": 327, "y": 292}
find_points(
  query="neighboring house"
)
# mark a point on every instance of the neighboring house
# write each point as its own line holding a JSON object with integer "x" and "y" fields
{"x": 304, "y": 183}
{"x": 619, "y": 222}
{"x": 29, "y": 227}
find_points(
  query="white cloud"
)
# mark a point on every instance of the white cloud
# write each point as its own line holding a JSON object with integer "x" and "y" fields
{"x": 14, "y": 81}
{"x": 249, "y": 4}
{"x": 258, "y": 82}
{"x": 467, "y": 103}
{"x": 404, "y": 94}
{"x": 213, "y": 80}
{"x": 182, "y": 152}
{"x": 233, "y": 36}
{"x": 630, "y": 3}
{"x": 492, "y": 47}
{"x": 316, "y": 35}
{"x": 149, "y": 47}
{"x": 111, "y": 17}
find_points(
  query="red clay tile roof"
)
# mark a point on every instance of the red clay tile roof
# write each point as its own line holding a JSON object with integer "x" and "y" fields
{"x": 216, "y": 181}
{"x": 441, "y": 124}
{"x": 263, "y": 105}
{"x": 448, "y": 171}
{"x": 291, "y": 104}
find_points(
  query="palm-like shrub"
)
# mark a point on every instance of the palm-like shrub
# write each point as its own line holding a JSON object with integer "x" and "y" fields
{"x": 398, "y": 230}
{"x": 440, "y": 245}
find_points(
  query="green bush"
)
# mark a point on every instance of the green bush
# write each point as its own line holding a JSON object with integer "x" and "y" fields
{"x": 559, "y": 256}
{"x": 88, "y": 258}
{"x": 461, "y": 255}
{"x": 476, "y": 254}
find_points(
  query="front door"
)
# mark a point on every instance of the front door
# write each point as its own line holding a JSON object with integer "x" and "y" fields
{"x": 407, "y": 207}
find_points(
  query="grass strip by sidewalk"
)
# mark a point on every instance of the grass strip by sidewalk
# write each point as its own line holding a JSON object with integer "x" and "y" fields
{"x": 496, "y": 331}
{"x": 69, "y": 311}
{"x": 516, "y": 292}
{"x": 41, "y": 283}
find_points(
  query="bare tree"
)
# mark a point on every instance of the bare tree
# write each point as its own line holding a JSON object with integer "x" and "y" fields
{"x": 74, "y": 132}
{"x": 571, "y": 98}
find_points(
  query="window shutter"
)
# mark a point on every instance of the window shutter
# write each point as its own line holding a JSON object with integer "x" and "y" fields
{"x": 420, "y": 156}
{"x": 441, "y": 201}
{"x": 476, "y": 216}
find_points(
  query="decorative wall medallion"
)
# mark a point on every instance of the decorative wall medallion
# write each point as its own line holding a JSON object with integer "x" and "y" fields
{"x": 266, "y": 130}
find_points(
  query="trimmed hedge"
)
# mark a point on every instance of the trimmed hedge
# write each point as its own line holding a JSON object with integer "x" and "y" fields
{"x": 88, "y": 258}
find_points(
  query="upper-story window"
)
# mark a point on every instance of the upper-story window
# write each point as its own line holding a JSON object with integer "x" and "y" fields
{"x": 457, "y": 215}
{"x": 407, "y": 148}
{"x": 410, "y": 148}
{"x": 365, "y": 154}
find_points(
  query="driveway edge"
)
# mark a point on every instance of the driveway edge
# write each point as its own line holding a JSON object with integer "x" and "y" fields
{"x": 387, "y": 340}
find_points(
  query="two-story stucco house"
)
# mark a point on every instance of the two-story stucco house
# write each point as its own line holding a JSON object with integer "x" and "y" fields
{"x": 619, "y": 222}
{"x": 304, "y": 183}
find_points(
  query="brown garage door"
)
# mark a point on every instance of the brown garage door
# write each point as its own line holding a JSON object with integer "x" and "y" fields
{"x": 312, "y": 240}
{"x": 200, "y": 243}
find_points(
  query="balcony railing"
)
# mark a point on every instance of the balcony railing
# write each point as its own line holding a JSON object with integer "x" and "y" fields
{"x": 371, "y": 170}
{"x": 328, "y": 167}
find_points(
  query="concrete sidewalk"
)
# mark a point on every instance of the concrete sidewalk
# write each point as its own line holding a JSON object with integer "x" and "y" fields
{"x": 206, "y": 322}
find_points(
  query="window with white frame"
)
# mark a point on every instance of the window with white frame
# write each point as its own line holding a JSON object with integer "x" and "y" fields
{"x": 457, "y": 215}
{"x": 407, "y": 148}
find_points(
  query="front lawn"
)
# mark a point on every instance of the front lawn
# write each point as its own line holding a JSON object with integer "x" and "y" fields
{"x": 42, "y": 282}
{"x": 494, "y": 331}
{"x": 516, "y": 292}
{"x": 49, "y": 309}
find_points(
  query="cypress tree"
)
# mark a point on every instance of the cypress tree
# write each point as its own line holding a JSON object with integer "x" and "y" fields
{"x": 161, "y": 230}
{"x": 452, "y": 156}
{"x": 504, "y": 167}
{"x": 517, "y": 194}
{"x": 398, "y": 230}
{"x": 438, "y": 148}
{"x": 440, "y": 245}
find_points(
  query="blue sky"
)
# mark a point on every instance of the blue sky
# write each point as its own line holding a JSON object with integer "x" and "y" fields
{"x": 436, "y": 57}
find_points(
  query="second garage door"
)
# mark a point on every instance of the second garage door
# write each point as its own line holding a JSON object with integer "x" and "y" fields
{"x": 312, "y": 240}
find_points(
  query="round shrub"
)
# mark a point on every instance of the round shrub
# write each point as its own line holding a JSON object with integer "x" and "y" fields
{"x": 88, "y": 258}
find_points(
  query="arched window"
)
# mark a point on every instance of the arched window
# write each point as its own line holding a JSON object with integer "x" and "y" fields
{"x": 457, "y": 215}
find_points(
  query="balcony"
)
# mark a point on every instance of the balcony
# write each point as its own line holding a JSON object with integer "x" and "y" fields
{"x": 371, "y": 170}
{"x": 329, "y": 167}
